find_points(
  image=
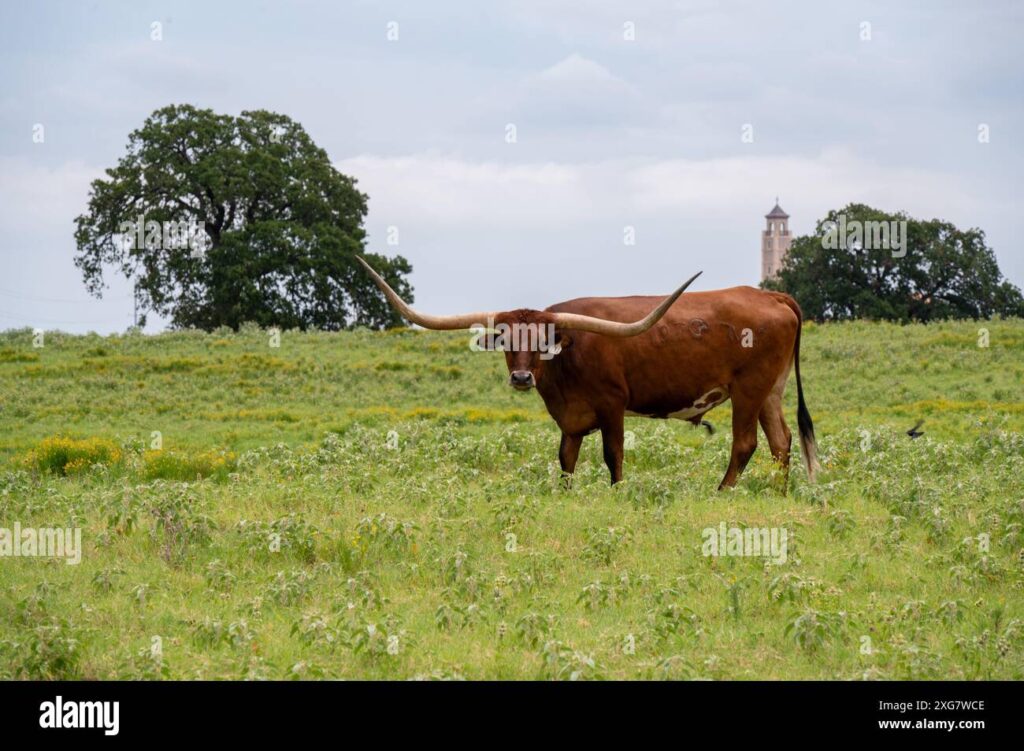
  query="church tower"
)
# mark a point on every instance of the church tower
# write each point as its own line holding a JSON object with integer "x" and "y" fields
{"x": 775, "y": 241}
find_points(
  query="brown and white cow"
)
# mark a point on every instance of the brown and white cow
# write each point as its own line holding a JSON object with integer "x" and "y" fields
{"x": 595, "y": 360}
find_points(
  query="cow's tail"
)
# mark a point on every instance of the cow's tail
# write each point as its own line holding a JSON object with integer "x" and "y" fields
{"x": 803, "y": 417}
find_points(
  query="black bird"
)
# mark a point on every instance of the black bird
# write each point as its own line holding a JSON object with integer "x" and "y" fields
{"x": 914, "y": 432}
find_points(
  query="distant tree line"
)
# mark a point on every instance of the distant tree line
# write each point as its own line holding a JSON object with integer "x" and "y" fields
{"x": 865, "y": 263}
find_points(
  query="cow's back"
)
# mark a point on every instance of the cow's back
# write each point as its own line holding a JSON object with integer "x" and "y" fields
{"x": 704, "y": 341}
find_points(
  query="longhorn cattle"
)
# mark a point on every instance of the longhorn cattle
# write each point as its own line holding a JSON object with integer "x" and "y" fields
{"x": 595, "y": 360}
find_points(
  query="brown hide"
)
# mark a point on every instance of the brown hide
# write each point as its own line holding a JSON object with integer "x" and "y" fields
{"x": 697, "y": 347}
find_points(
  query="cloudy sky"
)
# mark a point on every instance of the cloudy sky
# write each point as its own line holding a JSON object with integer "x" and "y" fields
{"x": 874, "y": 102}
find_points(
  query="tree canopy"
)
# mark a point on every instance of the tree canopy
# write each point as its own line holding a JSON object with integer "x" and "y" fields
{"x": 859, "y": 264}
{"x": 219, "y": 220}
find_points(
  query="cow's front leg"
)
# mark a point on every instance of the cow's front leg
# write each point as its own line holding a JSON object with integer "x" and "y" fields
{"x": 568, "y": 453}
{"x": 612, "y": 436}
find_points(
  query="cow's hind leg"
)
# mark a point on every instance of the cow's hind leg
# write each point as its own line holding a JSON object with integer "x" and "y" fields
{"x": 568, "y": 453}
{"x": 744, "y": 436}
{"x": 775, "y": 429}
{"x": 778, "y": 435}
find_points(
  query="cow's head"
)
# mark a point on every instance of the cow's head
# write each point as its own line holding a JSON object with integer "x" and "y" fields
{"x": 529, "y": 338}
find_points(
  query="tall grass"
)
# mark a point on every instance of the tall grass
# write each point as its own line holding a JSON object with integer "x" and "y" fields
{"x": 344, "y": 506}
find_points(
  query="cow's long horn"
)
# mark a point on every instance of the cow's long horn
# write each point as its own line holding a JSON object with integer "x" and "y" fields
{"x": 444, "y": 323}
{"x": 615, "y": 328}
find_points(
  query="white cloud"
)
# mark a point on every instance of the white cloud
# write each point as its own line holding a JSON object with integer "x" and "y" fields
{"x": 575, "y": 94}
{"x": 448, "y": 191}
{"x": 814, "y": 185}
{"x": 576, "y": 70}
{"x": 444, "y": 191}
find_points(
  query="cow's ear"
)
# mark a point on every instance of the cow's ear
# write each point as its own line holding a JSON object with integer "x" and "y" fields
{"x": 562, "y": 340}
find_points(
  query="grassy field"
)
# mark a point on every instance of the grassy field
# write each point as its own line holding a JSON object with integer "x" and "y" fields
{"x": 382, "y": 505}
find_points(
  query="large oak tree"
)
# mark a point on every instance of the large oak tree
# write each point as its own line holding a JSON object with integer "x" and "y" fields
{"x": 218, "y": 220}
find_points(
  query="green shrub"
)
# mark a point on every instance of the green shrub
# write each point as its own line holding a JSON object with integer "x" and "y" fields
{"x": 172, "y": 465}
{"x": 61, "y": 455}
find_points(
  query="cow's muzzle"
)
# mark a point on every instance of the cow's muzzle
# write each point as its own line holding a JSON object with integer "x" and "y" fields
{"x": 521, "y": 380}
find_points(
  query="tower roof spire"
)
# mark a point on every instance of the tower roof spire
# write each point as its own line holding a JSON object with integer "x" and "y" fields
{"x": 776, "y": 212}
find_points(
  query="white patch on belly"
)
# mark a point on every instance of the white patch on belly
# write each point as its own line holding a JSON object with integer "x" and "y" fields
{"x": 704, "y": 404}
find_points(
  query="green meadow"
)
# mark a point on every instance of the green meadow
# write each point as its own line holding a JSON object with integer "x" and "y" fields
{"x": 381, "y": 505}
